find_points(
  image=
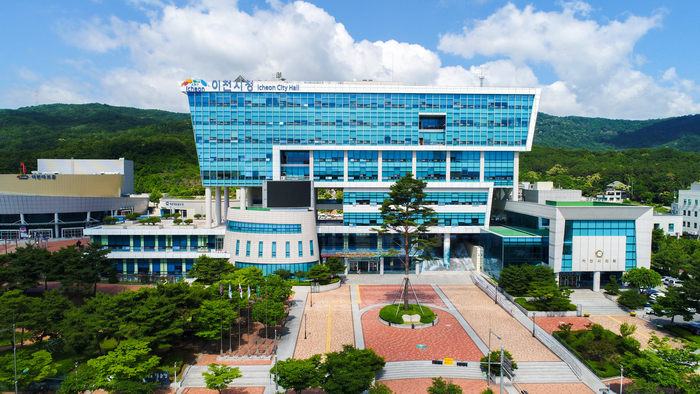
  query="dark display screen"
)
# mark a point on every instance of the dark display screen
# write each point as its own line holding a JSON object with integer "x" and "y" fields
{"x": 288, "y": 194}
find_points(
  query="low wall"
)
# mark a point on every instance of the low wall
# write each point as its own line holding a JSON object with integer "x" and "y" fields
{"x": 409, "y": 326}
{"x": 329, "y": 287}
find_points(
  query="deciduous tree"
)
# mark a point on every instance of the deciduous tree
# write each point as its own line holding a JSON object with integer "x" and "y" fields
{"x": 350, "y": 371}
{"x": 31, "y": 367}
{"x": 297, "y": 374}
{"x": 124, "y": 369}
{"x": 219, "y": 376}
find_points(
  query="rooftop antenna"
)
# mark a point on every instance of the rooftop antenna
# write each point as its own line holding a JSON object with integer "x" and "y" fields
{"x": 36, "y": 97}
{"x": 482, "y": 75}
{"x": 278, "y": 75}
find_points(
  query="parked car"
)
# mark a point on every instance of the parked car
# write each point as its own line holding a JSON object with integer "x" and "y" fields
{"x": 693, "y": 328}
{"x": 675, "y": 283}
{"x": 648, "y": 292}
{"x": 648, "y": 309}
{"x": 653, "y": 296}
{"x": 665, "y": 279}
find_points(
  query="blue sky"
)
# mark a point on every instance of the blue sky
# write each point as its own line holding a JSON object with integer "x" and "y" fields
{"x": 616, "y": 59}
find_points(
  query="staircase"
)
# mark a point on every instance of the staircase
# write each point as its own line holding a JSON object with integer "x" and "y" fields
{"x": 253, "y": 375}
{"x": 595, "y": 303}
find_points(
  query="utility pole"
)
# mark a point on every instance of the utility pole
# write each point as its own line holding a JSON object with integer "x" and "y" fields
{"x": 501, "y": 369}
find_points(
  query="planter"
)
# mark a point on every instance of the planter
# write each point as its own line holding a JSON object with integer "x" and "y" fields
{"x": 586, "y": 315}
{"x": 414, "y": 326}
{"x": 633, "y": 314}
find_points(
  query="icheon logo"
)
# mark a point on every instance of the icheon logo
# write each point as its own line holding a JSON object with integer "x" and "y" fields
{"x": 193, "y": 81}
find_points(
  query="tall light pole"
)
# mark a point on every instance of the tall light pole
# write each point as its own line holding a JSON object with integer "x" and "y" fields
{"x": 501, "y": 369}
{"x": 306, "y": 317}
{"x": 621, "y": 370}
{"x": 488, "y": 378}
{"x": 533, "y": 324}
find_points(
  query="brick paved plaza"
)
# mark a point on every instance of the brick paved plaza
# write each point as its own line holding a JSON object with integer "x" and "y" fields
{"x": 319, "y": 324}
{"x": 480, "y": 311}
{"x": 373, "y": 295}
{"x": 446, "y": 339}
{"x": 330, "y": 325}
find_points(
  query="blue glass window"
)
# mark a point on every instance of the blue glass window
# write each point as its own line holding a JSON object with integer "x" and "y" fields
{"x": 260, "y": 249}
{"x": 238, "y": 245}
{"x": 286, "y": 249}
{"x": 311, "y": 248}
{"x": 247, "y": 249}
{"x": 274, "y": 249}
{"x": 263, "y": 228}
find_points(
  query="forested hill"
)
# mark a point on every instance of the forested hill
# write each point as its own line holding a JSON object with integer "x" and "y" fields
{"x": 160, "y": 143}
{"x": 575, "y": 132}
{"x": 162, "y": 147}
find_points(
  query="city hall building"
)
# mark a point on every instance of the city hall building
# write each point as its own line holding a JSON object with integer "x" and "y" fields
{"x": 281, "y": 142}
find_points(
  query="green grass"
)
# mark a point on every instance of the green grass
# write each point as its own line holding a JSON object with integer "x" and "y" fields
{"x": 388, "y": 313}
{"x": 685, "y": 334}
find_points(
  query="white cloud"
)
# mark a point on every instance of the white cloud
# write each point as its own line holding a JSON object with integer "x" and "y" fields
{"x": 209, "y": 39}
{"x": 594, "y": 62}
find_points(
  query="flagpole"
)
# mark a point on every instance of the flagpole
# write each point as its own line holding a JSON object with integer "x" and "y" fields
{"x": 221, "y": 325}
{"x": 230, "y": 314}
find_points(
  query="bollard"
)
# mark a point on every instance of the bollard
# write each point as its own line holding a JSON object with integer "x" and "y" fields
{"x": 412, "y": 326}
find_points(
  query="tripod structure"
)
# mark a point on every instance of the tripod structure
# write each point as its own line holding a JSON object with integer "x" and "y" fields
{"x": 405, "y": 283}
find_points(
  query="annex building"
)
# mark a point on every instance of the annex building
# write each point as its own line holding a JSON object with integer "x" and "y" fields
{"x": 64, "y": 197}
{"x": 313, "y": 161}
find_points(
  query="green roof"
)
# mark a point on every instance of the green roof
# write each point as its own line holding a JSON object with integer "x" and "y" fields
{"x": 510, "y": 232}
{"x": 584, "y": 204}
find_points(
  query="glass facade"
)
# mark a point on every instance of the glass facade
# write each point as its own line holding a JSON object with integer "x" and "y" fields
{"x": 234, "y": 130}
{"x": 578, "y": 228}
{"x": 263, "y": 228}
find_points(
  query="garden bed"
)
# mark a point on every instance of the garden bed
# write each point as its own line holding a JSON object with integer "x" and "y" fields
{"x": 389, "y": 314}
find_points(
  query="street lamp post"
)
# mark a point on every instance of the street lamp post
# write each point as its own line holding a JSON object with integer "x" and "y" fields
{"x": 533, "y": 324}
{"x": 488, "y": 377}
{"x": 621, "y": 370}
{"x": 501, "y": 369}
{"x": 306, "y": 317}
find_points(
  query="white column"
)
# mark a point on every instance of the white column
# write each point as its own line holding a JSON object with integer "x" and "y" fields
{"x": 207, "y": 205}
{"x": 347, "y": 265}
{"x": 242, "y": 197}
{"x": 413, "y": 165}
{"x": 345, "y": 166}
{"x": 381, "y": 266}
{"x": 217, "y": 207}
{"x": 516, "y": 172}
{"x": 448, "y": 163}
{"x": 21, "y": 218}
{"x": 226, "y": 203}
{"x": 418, "y": 269}
{"x": 446, "y": 249}
{"x": 481, "y": 167}
{"x": 596, "y": 281}
{"x": 379, "y": 166}
{"x": 55, "y": 226}
{"x": 87, "y": 220}
{"x": 311, "y": 165}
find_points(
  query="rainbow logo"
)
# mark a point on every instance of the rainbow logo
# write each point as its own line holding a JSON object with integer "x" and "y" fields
{"x": 192, "y": 81}
{"x": 22, "y": 177}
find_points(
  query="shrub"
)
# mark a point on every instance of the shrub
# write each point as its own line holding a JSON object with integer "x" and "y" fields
{"x": 197, "y": 215}
{"x": 388, "y": 313}
{"x": 300, "y": 274}
{"x": 612, "y": 287}
{"x": 113, "y": 278}
{"x": 632, "y": 299}
{"x": 189, "y": 221}
{"x": 283, "y": 273}
{"x": 177, "y": 221}
{"x": 523, "y": 302}
{"x": 496, "y": 357}
{"x": 109, "y": 220}
{"x": 380, "y": 388}
{"x": 132, "y": 216}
